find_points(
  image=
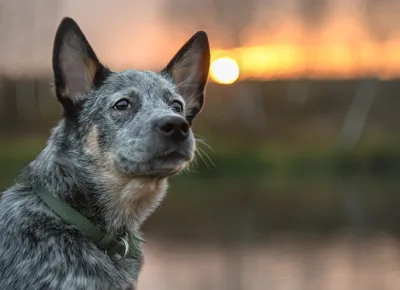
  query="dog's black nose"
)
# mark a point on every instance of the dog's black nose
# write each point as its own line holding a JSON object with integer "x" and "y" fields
{"x": 173, "y": 127}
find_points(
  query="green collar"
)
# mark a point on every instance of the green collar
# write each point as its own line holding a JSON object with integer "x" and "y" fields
{"x": 126, "y": 246}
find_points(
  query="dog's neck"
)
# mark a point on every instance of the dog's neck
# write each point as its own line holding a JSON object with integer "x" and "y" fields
{"x": 116, "y": 203}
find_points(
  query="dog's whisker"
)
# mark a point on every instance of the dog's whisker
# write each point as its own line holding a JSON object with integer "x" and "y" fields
{"x": 206, "y": 160}
{"x": 202, "y": 141}
{"x": 189, "y": 169}
{"x": 194, "y": 163}
{"x": 207, "y": 156}
{"x": 198, "y": 153}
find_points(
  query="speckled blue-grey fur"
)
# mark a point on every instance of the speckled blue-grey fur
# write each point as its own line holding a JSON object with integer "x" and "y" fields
{"x": 109, "y": 164}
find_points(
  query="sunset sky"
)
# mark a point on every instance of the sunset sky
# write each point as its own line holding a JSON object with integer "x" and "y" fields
{"x": 144, "y": 35}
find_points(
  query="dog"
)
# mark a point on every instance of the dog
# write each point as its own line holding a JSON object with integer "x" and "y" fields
{"x": 72, "y": 220}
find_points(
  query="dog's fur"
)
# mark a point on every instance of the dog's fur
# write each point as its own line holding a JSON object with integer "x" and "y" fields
{"x": 105, "y": 158}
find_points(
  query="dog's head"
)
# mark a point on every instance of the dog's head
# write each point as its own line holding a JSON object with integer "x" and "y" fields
{"x": 138, "y": 121}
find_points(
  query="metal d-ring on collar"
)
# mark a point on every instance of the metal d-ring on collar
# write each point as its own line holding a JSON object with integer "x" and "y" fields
{"x": 126, "y": 245}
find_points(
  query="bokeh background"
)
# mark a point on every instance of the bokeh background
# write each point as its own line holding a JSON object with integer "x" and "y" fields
{"x": 298, "y": 187}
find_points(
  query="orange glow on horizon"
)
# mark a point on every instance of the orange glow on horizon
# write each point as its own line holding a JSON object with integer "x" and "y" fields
{"x": 330, "y": 60}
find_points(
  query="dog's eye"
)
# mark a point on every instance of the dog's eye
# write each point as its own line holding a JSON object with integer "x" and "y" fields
{"x": 177, "y": 107}
{"x": 122, "y": 105}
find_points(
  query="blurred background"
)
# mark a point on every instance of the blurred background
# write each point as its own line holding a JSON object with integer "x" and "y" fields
{"x": 296, "y": 184}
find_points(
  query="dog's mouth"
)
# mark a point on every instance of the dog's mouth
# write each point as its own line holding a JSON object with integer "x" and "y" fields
{"x": 170, "y": 163}
{"x": 161, "y": 165}
{"x": 174, "y": 156}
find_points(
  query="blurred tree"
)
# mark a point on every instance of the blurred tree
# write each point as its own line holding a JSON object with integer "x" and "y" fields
{"x": 189, "y": 13}
{"x": 229, "y": 16}
{"x": 312, "y": 14}
{"x": 235, "y": 16}
{"x": 19, "y": 28}
{"x": 381, "y": 19}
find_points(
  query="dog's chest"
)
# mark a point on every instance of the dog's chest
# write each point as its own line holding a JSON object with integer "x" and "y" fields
{"x": 118, "y": 276}
{"x": 131, "y": 286}
{"x": 130, "y": 270}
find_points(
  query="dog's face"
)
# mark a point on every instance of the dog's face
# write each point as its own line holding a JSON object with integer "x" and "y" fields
{"x": 140, "y": 121}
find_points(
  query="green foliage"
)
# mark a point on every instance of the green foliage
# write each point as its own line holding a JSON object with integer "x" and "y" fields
{"x": 273, "y": 190}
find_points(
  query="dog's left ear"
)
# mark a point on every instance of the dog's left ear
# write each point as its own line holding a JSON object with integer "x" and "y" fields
{"x": 189, "y": 71}
{"x": 76, "y": 67}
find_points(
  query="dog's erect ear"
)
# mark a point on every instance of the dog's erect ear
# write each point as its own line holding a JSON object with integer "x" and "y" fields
{"x": 76, "y": 67}
{"x": 189, "y": 71}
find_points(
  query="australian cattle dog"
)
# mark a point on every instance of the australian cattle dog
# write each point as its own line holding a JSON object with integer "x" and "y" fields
{"x": 72, "y": 220}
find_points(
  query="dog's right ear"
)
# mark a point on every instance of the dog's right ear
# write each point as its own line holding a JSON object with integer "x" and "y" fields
{"x": 76, "y": 67}
{"x": 188, "y": 69}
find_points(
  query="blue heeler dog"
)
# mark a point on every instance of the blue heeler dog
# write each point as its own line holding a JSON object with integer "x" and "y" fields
{"x": 72, "y": 220}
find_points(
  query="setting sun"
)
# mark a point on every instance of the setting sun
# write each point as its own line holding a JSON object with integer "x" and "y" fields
{"x": 224, "y": 70}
